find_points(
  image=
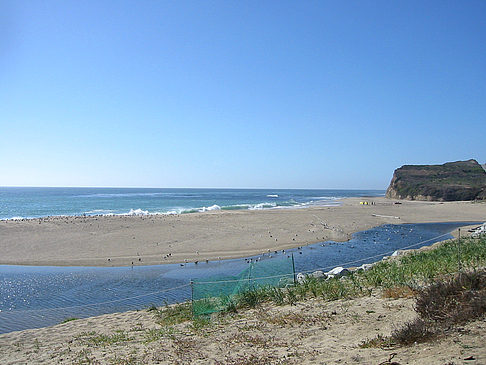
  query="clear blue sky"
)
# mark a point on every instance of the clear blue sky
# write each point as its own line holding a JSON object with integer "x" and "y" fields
{"x": 278, "y": 94}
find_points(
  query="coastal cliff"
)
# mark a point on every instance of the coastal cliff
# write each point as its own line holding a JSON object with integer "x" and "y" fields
{"x": 460, "y": 180}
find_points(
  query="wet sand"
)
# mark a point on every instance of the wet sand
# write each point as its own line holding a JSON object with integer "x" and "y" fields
{"x": 159, "y": 239}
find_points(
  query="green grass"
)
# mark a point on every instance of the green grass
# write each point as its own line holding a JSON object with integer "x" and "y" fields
{"x": 155, "y": 334}
{"x": 99, "y": 339}
{"x": 199, "y": 323}
{"x": 419, "y": 268}
{"x": 174, "y": 314}
{"x": 69, "y": 320}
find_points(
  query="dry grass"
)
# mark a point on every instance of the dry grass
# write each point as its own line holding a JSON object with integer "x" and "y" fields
{"x": 447, "y": 302}
{"x": 454, "y": 300}
{"x": 397, "y": 292}
{"x": 295, "y": 319}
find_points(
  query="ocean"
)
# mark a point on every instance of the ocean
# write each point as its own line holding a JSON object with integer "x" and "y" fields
{"x": 35, "y": 202}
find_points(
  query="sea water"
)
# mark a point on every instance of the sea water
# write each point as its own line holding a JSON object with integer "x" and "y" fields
{"x": 23, "y": 202}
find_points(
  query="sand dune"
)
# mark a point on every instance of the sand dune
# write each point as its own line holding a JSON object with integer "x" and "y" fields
{"x": 311, "y": 332}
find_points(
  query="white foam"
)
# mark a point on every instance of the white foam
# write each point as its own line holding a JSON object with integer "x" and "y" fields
{"x": 100, "y": 211}
{"x": 173, "y": 212}
{"x": 207, "y": 209}
{"x": 261, "y": 206}
{"x": 327, "y": 197}
{"x": 138, "y": 212}
{"x": 272, "y": 196}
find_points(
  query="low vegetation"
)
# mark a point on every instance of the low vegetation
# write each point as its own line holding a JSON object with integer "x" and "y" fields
{"x": 440, "y": 306}
{"x": 155, "y": 334}
{"x": 99, "y": 339}
{"x": 445, "y": 296}
{"x": 449, "y": 283}
{"x": 174, "y": 314}
{"x": 396, "y": 278}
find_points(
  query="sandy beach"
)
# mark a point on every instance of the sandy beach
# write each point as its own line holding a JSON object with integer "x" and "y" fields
{"x": 310, "y": 332}
{"x": 159, "y": 239}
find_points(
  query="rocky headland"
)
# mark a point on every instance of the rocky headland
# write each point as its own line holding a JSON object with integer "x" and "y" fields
{"x": 452, "y": 181}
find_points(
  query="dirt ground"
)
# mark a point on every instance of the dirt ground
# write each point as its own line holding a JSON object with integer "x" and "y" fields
{"x": 310, "y": 332}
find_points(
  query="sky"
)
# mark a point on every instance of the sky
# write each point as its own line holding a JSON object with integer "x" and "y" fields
{"x": 242, "y": 94}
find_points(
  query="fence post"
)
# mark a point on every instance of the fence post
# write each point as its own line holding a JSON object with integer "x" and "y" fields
{"x": 293, "y": 268}
{"x": 192, "y": 297}
{"x": 459, "y": 251}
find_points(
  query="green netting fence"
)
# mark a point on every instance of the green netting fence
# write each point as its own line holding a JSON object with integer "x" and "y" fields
{"x": 214, "y": 294}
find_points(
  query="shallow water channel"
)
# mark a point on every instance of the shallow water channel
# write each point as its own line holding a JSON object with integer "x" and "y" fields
{"x": 39, "y": 296}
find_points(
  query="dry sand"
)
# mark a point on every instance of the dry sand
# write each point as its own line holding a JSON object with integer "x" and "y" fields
{"x": 146, "y": 240}
{"x": 311, "y": 332}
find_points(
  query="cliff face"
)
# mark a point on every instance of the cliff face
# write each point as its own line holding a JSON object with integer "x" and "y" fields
{"x": 461, "y": 180}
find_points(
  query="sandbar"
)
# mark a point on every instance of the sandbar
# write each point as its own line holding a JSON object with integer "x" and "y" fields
{"x": 215, "y": 235}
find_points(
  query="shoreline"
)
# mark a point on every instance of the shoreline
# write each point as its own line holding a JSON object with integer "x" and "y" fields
{"x": 203, "y": 210}
{"x": 215, "y": 235}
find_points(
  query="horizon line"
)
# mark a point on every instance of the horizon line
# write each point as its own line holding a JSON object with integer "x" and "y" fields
{"x": 154, "y": 187}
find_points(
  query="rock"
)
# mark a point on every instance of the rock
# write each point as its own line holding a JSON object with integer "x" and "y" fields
{"x": 397, "y": 253}
{"x": 479, "y": 231}
{"x": 318, "y": 274}
{"x": 365, "y": 267}
{"x": 337, "y": 272}
{"x": 301, "y": 278}
{"x": 452, "y": 181}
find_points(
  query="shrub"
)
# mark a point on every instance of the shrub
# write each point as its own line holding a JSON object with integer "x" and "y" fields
{"x": 455, "y": 300}
{"x": 445, "y": 303}
{"x": 417, "y": 330}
